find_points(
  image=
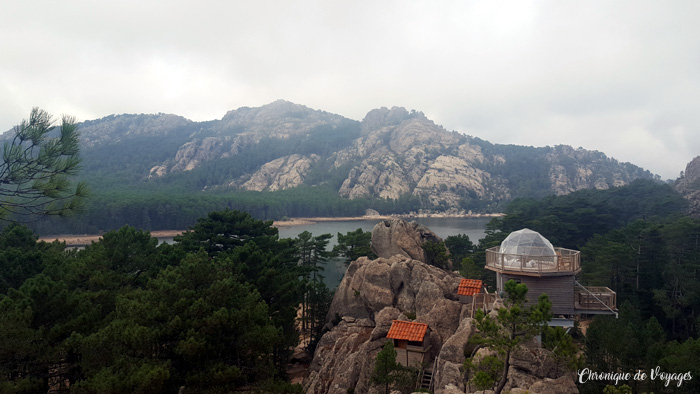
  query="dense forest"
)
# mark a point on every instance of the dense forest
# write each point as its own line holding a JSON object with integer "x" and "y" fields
{"x": 637, "y": 241}
{"x": 127, "y": 315}
{"x": 169, "y": 209}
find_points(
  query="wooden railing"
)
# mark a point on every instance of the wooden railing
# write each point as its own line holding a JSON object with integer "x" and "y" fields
{"x": 483, "y": 301}
{"x": 565, "y": 260}
{"x": 596, "y": 298}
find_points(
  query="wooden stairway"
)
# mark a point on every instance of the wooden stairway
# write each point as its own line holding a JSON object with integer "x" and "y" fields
{"x": 426, "y": 378}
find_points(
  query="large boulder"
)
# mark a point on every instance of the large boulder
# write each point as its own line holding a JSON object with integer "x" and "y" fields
{"x": 399, "y": 237}
{"x": 371, "y": 285}
{"x": 371, "y": 295}
{"x": 563, "y": 385}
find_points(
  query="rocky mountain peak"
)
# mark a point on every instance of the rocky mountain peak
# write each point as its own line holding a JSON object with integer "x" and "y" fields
{"x": 117, "y": 127}
{"x": 689, "y": 186}
{"x": 276, "y": 109}
{"x": 692, "y": 170}
{"x": 385, "y": 117}
{"x": 278, "y": 117}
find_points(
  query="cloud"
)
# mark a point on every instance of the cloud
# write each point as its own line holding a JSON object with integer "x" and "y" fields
{"x": 619, "y": 77}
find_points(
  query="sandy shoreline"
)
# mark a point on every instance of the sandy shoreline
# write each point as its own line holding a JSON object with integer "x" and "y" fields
{"x": 87, "y": 239}
{"x": 307, "y": 221}
{"x": 312, "y": 220}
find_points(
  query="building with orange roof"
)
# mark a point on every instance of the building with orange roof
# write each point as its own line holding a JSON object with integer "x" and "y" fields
{"x": 411, "y": 342}
{"x": 468, "y": 288}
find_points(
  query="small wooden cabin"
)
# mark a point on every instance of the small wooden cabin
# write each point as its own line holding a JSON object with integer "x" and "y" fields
{"x": 468, "y": 288}
{"x": 473, "y": 293}
{"x": 411, "y": 342}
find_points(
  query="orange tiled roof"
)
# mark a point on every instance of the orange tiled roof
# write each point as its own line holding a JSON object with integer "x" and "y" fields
{"x": 469, "y": 287}
{"x": 407, "y": 330}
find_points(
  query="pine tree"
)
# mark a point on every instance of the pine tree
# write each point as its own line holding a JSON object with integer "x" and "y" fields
{"x": 35, "y": 169}
{"x": 385, "y": 366}
{"x": 512, "y": 326}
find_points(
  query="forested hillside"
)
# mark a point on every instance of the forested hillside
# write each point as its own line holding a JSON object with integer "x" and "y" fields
{"x": 283, "y": 159}
{"x": 638, "y": 241}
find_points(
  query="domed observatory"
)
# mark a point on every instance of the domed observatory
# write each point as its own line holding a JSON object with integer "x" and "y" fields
{"x": 527, "y": 257}
{"x": 527, "y": 250}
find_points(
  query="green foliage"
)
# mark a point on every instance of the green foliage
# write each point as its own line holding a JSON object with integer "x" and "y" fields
{"x": 486, "y": 372}
{"x": 126, "y": 315}
{"x": 280, "y": 387}
{"x": 353, "y": 245}
{"x": 36, "y": 169}
{"x": 682, "y": 357}
{"x": 385, "y": 367}
{"x": 563, "y": 347}
{"x": 224, "y": 230}
{"x": 624, "y": 389}
{"x": 512, "y": 325}
{"x": 312, "y": 254}
{"x": 459, "y": 246}
{"x": 469, "y": 269}
{"x": 570, "y": 221}
{"x": 21, "y": 257}
{"x": 436, "y": 254}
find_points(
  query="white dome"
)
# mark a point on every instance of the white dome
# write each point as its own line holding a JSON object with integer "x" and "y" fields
{"x": 528, "y": 243}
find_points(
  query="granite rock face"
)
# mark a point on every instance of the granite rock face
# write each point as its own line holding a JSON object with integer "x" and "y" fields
{"x": 283, "y": 173}
{"x": 399, "y": 237}
{"x": 397, "y": 286}
{"x": 371, "y": 295}
{"x": 688, "y": 185}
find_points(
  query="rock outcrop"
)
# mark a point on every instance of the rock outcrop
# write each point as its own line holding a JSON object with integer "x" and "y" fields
{"x": 688, "y": 185}
{"x": 399, "y": 237}
{"x": 283, "y": 173}
{"x": 397, "y": 286}
{"x": 371, "y": 295}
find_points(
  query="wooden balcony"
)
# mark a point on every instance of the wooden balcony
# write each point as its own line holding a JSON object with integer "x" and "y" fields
{"x": 565, "y": 262}
{"x": 595, "y": 300}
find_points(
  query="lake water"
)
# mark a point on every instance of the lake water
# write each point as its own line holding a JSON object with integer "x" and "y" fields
{"x": 474, "y": 228}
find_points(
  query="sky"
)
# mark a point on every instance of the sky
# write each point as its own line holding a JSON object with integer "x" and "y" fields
{"x": 620, "y": 77}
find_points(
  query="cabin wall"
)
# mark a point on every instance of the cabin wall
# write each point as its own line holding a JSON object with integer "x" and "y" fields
{"x": 560, "y": 290}
{"x": 409, "y": 358}
{"x": 465, "y": 299}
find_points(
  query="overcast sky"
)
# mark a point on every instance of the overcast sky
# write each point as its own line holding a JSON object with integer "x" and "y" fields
{"x": 621, "y": 77}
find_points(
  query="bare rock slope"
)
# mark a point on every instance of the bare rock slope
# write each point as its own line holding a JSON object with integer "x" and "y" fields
{"x": 688, "y": 185}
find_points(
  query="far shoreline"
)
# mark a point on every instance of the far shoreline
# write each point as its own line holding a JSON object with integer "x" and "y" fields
{"x": 87, "y": 239}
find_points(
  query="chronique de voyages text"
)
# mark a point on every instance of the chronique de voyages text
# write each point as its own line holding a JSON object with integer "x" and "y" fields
{"x": 585, "y": 375}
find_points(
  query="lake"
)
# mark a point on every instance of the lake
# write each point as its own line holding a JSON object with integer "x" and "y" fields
{"x": 474, "y": 228}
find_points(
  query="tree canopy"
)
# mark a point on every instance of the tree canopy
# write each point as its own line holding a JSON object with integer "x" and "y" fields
{"x": 36, "y": 167}
{"x": 126, "y": 315}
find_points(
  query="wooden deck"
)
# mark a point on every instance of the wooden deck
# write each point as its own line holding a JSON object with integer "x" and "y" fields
{"x": 595, "y": 300}
{"x": 565, "y": 262}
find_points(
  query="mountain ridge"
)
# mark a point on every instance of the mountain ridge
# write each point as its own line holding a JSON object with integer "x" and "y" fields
{"x": 390, "y": 153}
